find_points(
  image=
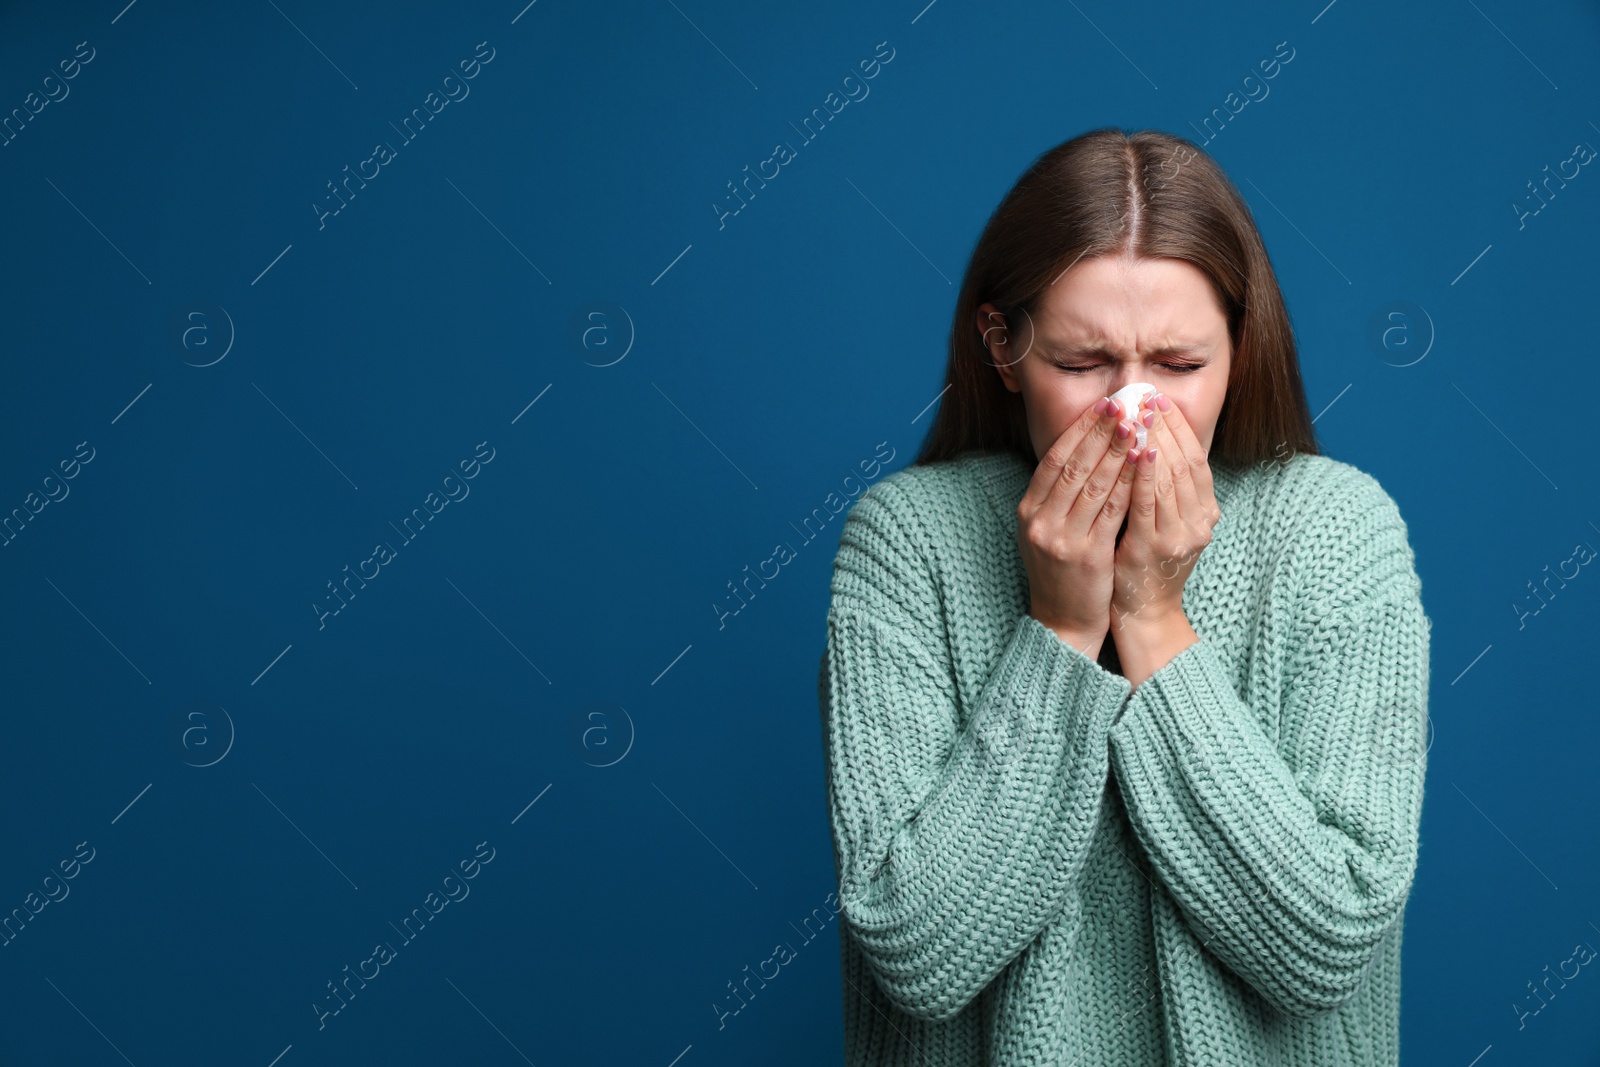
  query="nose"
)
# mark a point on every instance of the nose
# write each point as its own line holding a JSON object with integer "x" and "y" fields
{"x": 1131, "y": 394}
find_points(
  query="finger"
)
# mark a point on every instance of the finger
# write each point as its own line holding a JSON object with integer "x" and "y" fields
{"x": 1079, "y": 466}
{"x": 1163, "y": 502}
{"x": 1187, "y": 454}
{"x": 1047, "y": 475}
{"x": 1168, "y": 513}
{"x": 1142, "y": 501}
{"x": 1102, "y": 483}
{"x": 1116, "y": 505}
{"x": 1182, "y": 524}
{"x": 1191, "y": 474}
{"x": 1173, "y": 490}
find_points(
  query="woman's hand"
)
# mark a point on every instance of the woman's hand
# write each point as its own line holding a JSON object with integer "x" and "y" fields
{"x": 1067, "y": 524}
{"x": 1170, "y": 519}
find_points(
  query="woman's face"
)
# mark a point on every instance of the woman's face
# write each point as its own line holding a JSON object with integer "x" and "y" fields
{"x": 1107, "y": 322}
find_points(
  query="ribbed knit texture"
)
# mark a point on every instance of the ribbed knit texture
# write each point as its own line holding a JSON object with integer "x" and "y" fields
{"x": 1039, "y": 864}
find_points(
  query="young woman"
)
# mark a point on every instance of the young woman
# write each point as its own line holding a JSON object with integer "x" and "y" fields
{"x": 1124, "y": 745}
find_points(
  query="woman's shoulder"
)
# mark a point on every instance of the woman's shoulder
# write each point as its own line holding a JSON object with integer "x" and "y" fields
{"x": 1324, "y": 484}
{"x": 913, "y": 524}
{"x": 896, "y": 536}
{"x": 1341, "y": 497}
{"x": 1349, "y": 539}
{"x": 931, "y": 497}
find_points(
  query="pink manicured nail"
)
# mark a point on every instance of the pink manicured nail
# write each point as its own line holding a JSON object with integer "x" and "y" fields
{"x": 1133, "y": 455}
{"x": 1162, "y": 402}
{"x": 1150, "y": 454}
{"x": 1100, "y": 405}
{"x": 1123, "y": 430}
{"x": 1148, "y": 418}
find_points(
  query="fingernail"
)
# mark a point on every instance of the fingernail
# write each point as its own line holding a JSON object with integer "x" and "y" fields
{"x": 1148, "y": 418}
{"x": 1123, "y": 429}
{"x": 1162, "y": 402}
{"x": 1150, "y": 453}
{"x": 1100, "y": 405}
{"x": 1133, "y": 455}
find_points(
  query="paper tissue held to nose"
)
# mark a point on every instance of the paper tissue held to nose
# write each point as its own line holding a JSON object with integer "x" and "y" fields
{"x": 1130, "y": 397}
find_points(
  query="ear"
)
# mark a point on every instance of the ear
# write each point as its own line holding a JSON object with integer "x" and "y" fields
{"x": 999, "y": 341}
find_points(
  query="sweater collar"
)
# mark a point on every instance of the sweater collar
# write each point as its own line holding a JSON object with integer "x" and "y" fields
{"x": 1004, "y": 478}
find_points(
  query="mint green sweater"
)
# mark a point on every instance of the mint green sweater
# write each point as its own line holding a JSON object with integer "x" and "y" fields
{"x": 1041, "y": 865}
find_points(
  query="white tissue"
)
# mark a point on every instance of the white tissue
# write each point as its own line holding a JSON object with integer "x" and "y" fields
{"x": 1130, "y": 397}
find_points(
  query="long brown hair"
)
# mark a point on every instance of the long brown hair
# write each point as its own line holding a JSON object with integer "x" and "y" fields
{"x": 1151, "y": 194}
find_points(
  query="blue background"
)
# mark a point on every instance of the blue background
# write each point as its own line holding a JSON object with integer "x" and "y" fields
{"x": 545, "y": 670}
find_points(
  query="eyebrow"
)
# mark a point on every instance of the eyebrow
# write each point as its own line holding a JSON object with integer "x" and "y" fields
{"x": 1100, "y": 348}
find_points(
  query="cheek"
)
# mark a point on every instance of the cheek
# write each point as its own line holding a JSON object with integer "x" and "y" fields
{"x": 1062, "y": 400}
{"x": 1061, "y": 410}
{"x": 1054, "y": 402}
{"x": 1201, "y": 403}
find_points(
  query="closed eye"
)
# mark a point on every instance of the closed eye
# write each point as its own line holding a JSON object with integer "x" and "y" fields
{"x": 1176, "y": 368}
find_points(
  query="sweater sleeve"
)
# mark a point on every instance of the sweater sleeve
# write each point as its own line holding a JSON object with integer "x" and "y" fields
{"x": 1292, "y": 856}
{"x": 957, "y": 838}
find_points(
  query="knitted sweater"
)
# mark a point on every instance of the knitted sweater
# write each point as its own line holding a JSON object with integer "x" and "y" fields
{"x": 1039, "y": 864}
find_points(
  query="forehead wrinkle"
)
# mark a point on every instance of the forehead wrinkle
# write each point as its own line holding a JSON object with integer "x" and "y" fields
{"x": 1152, "y": 327}
{"x": 1101, "y": 347}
